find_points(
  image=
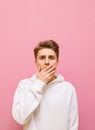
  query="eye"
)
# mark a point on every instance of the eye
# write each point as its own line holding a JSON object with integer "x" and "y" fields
{"x": 41, "y": 57}
{"x": 51, "y": 57}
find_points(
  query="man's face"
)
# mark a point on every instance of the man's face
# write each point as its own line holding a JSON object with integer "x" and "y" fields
{"x": 46, "y": 57}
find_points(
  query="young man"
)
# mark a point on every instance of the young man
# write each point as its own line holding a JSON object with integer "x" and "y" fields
{"x": 46, "y": 101}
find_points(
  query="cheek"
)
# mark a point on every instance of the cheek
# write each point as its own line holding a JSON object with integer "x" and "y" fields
{"x": 39, "y": 64}
{"x": 54, "y": 63}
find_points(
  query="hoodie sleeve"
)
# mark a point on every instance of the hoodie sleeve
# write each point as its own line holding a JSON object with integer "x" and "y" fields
{"x": 73, "y": 115}
{"x": 27, "y": 97}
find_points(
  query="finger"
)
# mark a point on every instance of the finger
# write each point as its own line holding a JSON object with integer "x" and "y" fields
{"x": 51, "y": 73}
{"x": 48, "y": 67}
{"x": 51, "y": 69}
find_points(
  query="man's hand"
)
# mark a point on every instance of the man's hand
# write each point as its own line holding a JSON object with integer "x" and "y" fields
{"x": 46, "y": 74}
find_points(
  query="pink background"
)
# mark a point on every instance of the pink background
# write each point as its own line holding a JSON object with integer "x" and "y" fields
{"x": 71, "y": 23}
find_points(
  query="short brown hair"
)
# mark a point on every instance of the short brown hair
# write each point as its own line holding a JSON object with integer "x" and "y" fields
{"x": 51, "y": 44}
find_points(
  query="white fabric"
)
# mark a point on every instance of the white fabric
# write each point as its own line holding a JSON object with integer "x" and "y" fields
{"x": 40, "y": 106}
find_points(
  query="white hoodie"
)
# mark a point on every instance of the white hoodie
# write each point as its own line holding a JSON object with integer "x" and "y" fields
{"x": 40, "y": 106}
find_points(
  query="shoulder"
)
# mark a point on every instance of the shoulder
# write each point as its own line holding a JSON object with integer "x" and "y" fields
{"x": 68, "y": 86}
{"x": 25, "y": 82}
{"x": 30, "y": 81}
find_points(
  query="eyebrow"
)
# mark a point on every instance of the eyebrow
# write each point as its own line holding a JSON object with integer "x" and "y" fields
{"x": 45, "y": 56}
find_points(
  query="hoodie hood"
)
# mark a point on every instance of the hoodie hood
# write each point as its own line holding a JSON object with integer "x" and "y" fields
{"x": 59, "y": 78}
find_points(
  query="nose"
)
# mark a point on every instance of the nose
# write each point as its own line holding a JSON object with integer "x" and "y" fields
{"x": 46, "y": 61}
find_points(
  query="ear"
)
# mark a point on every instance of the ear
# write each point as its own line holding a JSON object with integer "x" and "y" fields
{"x": 35, "y": 61}
{"x": 57, "y": 60}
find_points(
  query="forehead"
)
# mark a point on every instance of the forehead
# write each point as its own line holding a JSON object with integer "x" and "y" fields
{"x": 46, "y": 52}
